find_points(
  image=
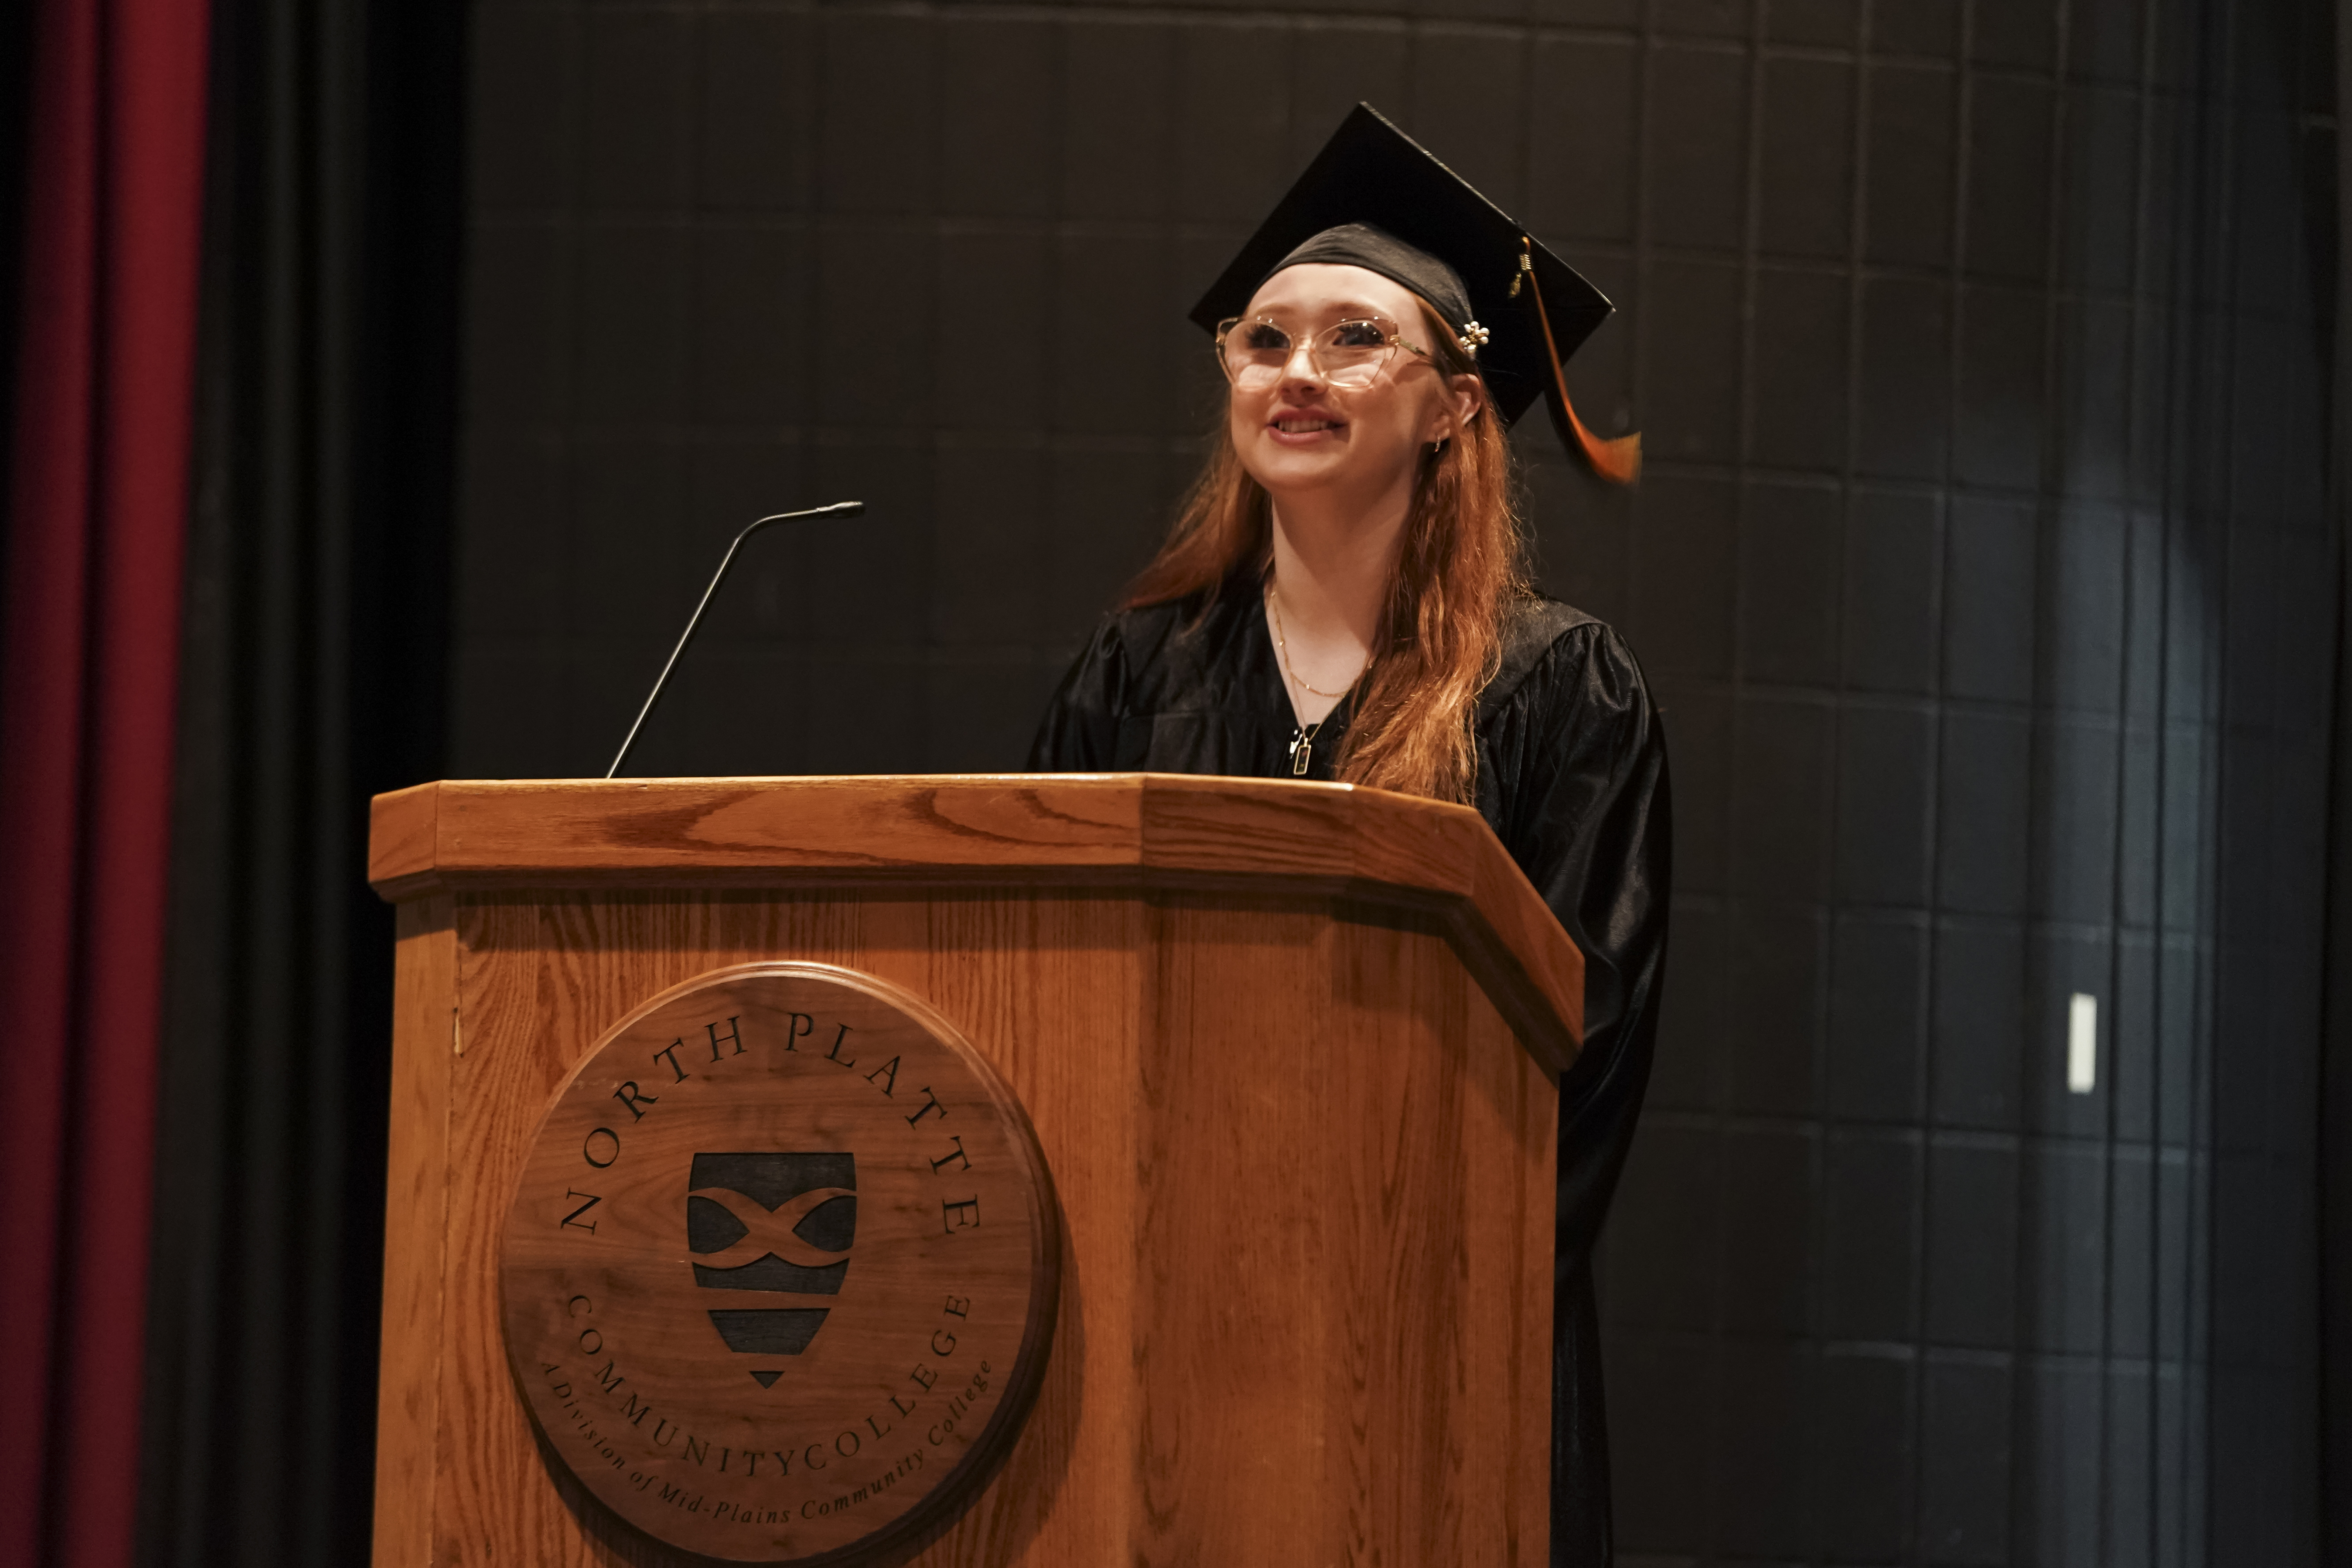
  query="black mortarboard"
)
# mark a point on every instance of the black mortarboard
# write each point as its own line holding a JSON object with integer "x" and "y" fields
{"x": 1375, "y": 198}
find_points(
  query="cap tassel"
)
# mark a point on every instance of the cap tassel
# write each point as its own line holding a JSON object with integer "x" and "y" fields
{"x": 1617, "y": 459}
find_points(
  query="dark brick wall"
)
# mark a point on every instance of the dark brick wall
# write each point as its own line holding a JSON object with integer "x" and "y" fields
{"x": 1985, "y": 569}
{"x": 1981, "y": 564}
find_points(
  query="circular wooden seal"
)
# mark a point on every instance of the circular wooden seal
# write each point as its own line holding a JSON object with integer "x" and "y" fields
{"x": 780, "y": 1277}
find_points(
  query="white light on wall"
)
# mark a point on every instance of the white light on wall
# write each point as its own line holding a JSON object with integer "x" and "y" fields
{"x": 2082, "y": 1042}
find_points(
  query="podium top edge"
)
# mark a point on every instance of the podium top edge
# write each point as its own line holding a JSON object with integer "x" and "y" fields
{"x": 977, "y": 830}
{"x": 514, "y": 832}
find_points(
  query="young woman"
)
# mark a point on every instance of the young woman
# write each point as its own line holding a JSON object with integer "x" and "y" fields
{"x": 1343, "y": 597}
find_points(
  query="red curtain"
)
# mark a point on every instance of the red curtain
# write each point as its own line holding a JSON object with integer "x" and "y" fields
{"x": 88, "y": 645}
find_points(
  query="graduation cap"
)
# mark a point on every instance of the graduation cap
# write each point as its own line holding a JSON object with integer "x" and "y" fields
{"x": 1375, "y": 198}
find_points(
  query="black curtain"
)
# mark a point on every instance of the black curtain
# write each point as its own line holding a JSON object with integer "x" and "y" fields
{"x": 314, "y": 676}
{"x": 2335, "y": 1107}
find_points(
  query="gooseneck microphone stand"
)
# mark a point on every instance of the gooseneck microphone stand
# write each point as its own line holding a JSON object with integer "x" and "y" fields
{"x": 694, "y": 624}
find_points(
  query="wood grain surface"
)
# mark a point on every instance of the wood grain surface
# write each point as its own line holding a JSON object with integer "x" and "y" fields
{"x": 416, "y": 1193}
{"x": 975, "y": 830}
{"x": 1305, "y": 1168}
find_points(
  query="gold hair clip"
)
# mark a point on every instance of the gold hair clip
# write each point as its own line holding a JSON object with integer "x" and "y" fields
{"x": 1473, "y": 337}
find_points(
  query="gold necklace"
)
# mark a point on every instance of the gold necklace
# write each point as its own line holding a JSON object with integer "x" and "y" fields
{"x": 1273, "y": 598}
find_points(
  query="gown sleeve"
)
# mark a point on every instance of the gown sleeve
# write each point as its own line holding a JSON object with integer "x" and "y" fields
{"x": 1079, "y": 733}
{"x": 1592, "y": 827}
{"x": 1593, "y": 834}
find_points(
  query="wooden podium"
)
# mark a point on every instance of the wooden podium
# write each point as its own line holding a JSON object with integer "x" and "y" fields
{"x": 1289, "y": 1050}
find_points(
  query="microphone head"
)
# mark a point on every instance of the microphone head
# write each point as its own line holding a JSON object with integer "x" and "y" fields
{"x": 846, "y": 508}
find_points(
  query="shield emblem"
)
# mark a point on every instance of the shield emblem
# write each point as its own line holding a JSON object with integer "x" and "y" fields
{"x": 779, "y": 1222}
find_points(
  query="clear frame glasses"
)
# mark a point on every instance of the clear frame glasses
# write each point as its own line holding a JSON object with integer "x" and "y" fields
{"x": 1254, "y": 351}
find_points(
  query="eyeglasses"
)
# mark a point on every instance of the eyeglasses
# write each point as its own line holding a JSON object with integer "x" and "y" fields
{"x": 1255, "y": 351}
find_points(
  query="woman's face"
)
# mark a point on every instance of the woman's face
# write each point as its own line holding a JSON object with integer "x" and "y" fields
{"x": 1300, "y": 432}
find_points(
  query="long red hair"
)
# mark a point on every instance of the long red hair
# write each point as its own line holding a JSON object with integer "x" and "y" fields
{"x": 1460, "y": 562}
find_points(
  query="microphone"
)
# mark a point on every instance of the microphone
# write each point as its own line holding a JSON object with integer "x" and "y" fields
{"x": 693, "y": 623}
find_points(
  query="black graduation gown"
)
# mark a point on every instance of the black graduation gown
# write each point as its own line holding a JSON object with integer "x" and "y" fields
{"x": 1573, "y": 778}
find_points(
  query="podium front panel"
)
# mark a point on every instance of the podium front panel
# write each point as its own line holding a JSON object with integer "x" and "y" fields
{"x": 1304, "y": 1163}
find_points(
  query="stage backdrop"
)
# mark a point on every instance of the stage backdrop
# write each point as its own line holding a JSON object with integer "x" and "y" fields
{"x": 312, "y": 674}
{"x": 1982, "y": 565}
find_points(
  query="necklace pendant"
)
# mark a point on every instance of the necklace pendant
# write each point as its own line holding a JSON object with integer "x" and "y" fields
{"x": 1302, "y": 750}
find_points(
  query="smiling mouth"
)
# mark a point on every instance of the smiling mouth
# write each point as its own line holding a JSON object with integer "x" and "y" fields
{"x": 1305, "y": 426}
